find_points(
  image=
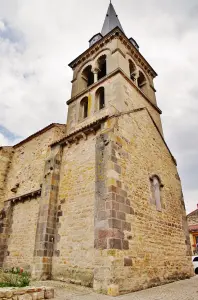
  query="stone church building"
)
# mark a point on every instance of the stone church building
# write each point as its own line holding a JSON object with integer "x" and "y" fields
{"x": 98, "y": 202}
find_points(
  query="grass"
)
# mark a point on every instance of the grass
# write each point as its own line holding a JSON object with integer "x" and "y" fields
{"x": 15, "y": 277}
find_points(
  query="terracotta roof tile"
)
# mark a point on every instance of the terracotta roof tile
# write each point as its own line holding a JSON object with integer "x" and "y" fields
{"x": 193, "y": 227}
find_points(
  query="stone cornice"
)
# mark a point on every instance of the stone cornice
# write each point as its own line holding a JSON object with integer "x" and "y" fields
{"x": 115, "y": 33}
{"x": 118, "y": 70}
{"x": 81, "y": 133}
{"x": 25, "y": 197}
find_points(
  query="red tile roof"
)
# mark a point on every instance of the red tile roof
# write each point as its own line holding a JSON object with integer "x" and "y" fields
{"x": 193, "y": 228}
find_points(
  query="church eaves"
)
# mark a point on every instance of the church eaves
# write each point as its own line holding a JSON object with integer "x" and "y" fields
{"x": 111, "y": 21}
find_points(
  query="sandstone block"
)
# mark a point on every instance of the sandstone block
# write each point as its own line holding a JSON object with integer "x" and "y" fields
{"x": 8, "y": 294}
{"x": 19, "y": 292}
{"x": 40, "y": 295}
{"x": 49, "y": 293}
{"x": 24, "y": 297}
{"x": 113, "y": 290}
{"x": 34, "y": 296}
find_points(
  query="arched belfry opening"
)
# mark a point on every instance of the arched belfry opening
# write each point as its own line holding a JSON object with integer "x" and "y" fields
{"x": 142, "y": 83}
{"x": 88, "y": 76}
{"x": 100, "y": 98}
{"x": 102, "y": 67}
{"x": 132, "y": 70}
{"x": 84, "y": 108}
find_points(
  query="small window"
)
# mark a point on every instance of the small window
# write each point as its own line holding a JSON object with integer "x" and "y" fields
{"x": 156, "y": 192}
{"x": 84, "y": 108}
{"x": 102, "y": 66}
{"x": 100, "y": 98}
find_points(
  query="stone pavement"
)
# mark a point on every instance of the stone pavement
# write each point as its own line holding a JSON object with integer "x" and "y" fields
{"x": 180, "y": 290}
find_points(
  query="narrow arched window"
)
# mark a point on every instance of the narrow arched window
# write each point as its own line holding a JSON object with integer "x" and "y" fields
{"x": 100, "y": 98}
{"x": 132, "y": 70}
{"x": 156, "y": 191}
{"x": 88, "y": 76}
{"x": 84, "y": 108}
{"x": 141, "y": 80}
{"x": 102, "y": 67}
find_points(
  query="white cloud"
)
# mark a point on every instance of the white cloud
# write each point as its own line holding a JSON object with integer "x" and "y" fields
{"x": 41, "y": 37}
{"x": 2, "y": 26}
{"x": 3, "y": 140}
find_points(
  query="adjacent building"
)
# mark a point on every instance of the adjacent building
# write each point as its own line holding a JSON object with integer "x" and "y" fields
{"x": 193, "y": 229}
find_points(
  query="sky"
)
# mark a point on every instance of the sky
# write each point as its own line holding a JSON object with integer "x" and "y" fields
{"x": 39, "y": 38}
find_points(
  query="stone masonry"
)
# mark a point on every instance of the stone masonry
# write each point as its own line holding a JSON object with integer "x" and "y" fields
{"x": 27, "y": 293}
{"x": 98, "y": 202}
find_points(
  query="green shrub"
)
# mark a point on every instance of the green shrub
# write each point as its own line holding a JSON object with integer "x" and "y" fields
{"x": 15, "y": 277}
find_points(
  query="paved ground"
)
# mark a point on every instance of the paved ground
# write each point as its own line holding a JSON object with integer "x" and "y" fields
{"x": 180, "y": 290}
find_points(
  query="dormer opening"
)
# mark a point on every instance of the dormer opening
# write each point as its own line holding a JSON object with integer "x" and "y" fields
{"x": 102, "y": 66}
{"x": 100, "y": 98}
{"x": 84, "y": 108}
{"x": 88, "y": 76}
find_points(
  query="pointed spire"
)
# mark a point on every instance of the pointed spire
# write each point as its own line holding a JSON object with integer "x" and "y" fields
{"x": 111, "y": 20}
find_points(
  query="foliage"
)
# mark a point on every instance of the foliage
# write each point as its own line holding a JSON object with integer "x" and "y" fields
{"x": 15, "y": 277}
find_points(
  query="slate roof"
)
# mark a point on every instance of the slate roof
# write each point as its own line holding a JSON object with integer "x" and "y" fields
{"x": 111, "y": 21}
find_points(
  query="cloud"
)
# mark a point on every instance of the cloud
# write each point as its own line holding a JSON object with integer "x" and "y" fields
{"x": 2, "y": 26}
{"x": 3, "y": 140}
{"x": 39, "y": 38}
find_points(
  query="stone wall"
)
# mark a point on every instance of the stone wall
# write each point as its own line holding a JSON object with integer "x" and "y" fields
{"x": 132, "y": 99}
{"x": 27, "y": 293}
{"x": 22, "y": 234}
{"x": 74, "y": 242}
{"x": 5, "y": 159}
{"x": 142, "y": 247}
{"x": 23, "y": 166}
{"x": 27, "y": 167}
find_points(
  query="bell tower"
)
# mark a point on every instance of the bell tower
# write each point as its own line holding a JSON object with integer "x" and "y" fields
{"x": 118, "y": 164}
{"x": 106, "y": 74}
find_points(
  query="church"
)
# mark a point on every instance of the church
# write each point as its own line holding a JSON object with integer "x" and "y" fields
{"x": 98, "y": 201}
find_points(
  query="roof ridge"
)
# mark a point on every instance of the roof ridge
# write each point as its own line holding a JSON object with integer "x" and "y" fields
{"x": 46, "y": 128}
